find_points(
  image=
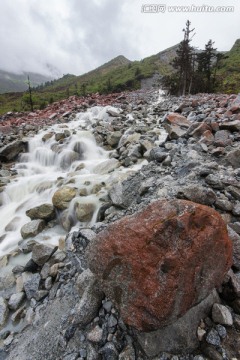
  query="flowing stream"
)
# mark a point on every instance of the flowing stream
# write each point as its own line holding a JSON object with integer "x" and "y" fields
{"x": 62, "y": 155}
{"x": 76, "y": 161}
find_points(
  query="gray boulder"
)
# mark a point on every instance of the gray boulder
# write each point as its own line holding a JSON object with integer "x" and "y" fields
{"x": 31, "y": 284}
{"x": 236, "y": 247}
{"x": 181, "y": 336}
{"x": 84, "y": 211}
{"x": 106, "y": 166}
{"x": 16, "y": 300}
{"x": 32, "y": 228}
{"x": 3, "y": 311}
{"x": 158, "y": 154}
{"x": 44, "y": 211}
{"x": 221, "y": 315}
{"x": 63, "y": 196}
{"x": 89, "y": 305}
{"x": 233, "y": 158}
{"x": 123, "y": 194}
{"x": 198, "y": 194}
{"x": 12, "y": 150}
{"x": 41, "y": 253}
{"x": 113, "y": 138}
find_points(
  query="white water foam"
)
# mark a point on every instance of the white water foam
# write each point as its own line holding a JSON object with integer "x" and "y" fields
{"x": 49, "y": 165}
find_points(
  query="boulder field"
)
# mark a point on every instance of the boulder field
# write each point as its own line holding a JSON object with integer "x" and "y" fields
{"x": 158, "y": 275}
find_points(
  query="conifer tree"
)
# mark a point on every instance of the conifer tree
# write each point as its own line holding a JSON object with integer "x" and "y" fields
{"x": 206, "y": 64}
{"x": 183, "y": 62}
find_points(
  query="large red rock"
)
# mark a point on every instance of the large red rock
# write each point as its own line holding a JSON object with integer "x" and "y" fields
{"x": 177, "y": 119}
{"x": 158, "y": 263}
{"x": 176, "y": 125}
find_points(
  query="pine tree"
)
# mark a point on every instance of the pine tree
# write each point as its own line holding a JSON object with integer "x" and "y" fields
{"x": 206, "y": 64}
{"x": 183, "y": 62}
{"x": 30, "y": 94}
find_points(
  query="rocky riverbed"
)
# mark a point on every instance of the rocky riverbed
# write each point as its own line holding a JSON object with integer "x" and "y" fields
{"x": 179, "y": 155}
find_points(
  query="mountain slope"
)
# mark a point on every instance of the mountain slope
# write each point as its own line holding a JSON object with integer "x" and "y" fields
{"x": 116, "y": 75}
{"x": 10, "y": 82}
{"x": 229, "y": 74}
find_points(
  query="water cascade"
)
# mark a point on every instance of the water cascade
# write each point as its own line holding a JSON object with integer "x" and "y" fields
{"x": 62, "y": 155}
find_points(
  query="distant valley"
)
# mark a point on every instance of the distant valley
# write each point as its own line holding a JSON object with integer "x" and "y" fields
{"x": 11, "y": 82}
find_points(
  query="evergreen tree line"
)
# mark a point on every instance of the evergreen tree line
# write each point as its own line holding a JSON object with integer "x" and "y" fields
{"x": 195, "y": 71}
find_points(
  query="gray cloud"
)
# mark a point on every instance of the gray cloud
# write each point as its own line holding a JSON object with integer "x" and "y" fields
{"x": 76, "y": 36}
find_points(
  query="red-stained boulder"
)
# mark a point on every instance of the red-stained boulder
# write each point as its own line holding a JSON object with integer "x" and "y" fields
{"x": 158, "y": 263}
{"x": 177, "y": 119}
{"x": 176, "y": 125}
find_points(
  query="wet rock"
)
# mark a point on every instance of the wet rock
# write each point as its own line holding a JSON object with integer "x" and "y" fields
{"x": 63, "y": 196}
{"x": 221, "y": 315}
{"x": 44, "y": 211}
{"x": 18, "y": 314}
{"x": 85, "y": 279}
{"x": 199, "y": 130}
{"x": 222, "y": 138}
{"x": 235, "y": 283}
{"x": 113, "y": 138}
{"x": 106, "y": 166}
{"x": 231, "y": 125}
{"x": 211, "y": 353}
{"x": 31, "y": 266}
{"x": 128, "y": 353}
{"x": 68, "y": 158}
{"x": 198, "y": 194}
{"x": 8, "y": 341}
{"x": 47, "y": 136}
{"x": 42, "y": 253}
{"x": 214, "y": 181}
{"x": 235, "y": 238}
{"x": 40, "y": 294}
{"x": 95, "y": 335}
{"x": 176, "y": 125}
{"x": 112, "y": 321}
{"x": 60, "y": 136}
{"x": 66, "y": 220}
{"x": 12, "y": 150}
{"x": 158, "y": 154}
{"x": 3, "y": 311}
{"x": 7, "y": 284}
{"x": 234, "y": 191}
{"x": 236, "y": 209}
{"x": 84, "y": 211}
{"x": 109, "y": 351}
{"x": 179, "y": 337}
{"x": 123, "y": 194}
{"x": 32, "y": 228}
{"x": 222, "y": 332}
{"x": 26, "y": 246}
{"x": 88, "y": 307}
{"x": 136, "y": 261}
{"x": 213, "y": 338}
{"x": 224, "y": 204}
{"x": 233, "y": 158}
{"x": 48, "y": 283}
{"x": 31, "y": 284}
{"x": 16, "y": 300}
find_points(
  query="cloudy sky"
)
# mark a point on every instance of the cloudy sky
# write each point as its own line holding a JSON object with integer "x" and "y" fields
{"x": 75, "y": 36}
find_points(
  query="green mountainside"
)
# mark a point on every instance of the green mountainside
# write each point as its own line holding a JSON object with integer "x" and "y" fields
{"x": 117, "y": 75}
{"x": 229, "y": 73}
{"x": 10, "y": 82}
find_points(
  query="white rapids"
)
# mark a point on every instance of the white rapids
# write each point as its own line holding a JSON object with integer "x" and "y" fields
{"x": 49, "y": 164}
